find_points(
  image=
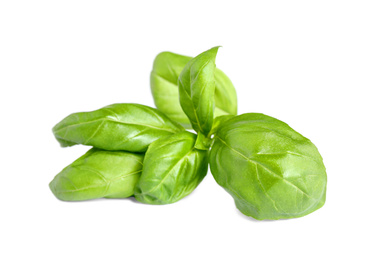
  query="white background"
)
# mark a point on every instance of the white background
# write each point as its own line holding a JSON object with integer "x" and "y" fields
{"x": 317, "y": 65}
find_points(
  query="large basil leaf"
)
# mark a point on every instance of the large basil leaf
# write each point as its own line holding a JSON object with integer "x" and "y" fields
{"x": 98, "y": 174}
{"x": 164, "y": 87}
{"x": 196, "y": 90}
{"x": 271, "y": 171}
{"x": 129, "y": 127}
{"x": 172, "y": 169}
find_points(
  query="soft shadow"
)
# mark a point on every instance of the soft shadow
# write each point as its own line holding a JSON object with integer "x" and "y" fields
{"x": 133, "y": 200}
{"x": 251, "y": 219}
{"x": 80, "y": 201}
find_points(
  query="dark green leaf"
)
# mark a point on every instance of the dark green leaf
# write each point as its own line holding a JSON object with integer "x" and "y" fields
{"x": 196, "y": 90}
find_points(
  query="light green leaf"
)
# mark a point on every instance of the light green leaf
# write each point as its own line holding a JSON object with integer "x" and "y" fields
{"x": 203, "y": 142}
{"x": 218, "y": 121}
{"x": 98, "y": 174}
{"x": 271, "y": 171}
{"x": 172, "y": 169}
{"x": 164, "y": 87}
{"x": 129, "y": 127}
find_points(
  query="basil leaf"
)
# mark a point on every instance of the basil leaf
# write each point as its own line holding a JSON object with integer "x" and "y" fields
{"x": 225, "y": 95}
{"x": 271, "y": 171}
{"x": 98, "y": 174}
{"x": 196, "y": 90}
{"x": 218, "y": 121}
{"x": 129, "y": 127}
{"x": 164, "y": 87}
{"x": 203, "y": 142}
{"x": 172, "y": 169}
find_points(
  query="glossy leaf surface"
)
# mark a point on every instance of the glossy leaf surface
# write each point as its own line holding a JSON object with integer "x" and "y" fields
{"x": 129, "y": 127}
{"x": 196, "y": 90}
{"x": 271, "y": 171}
{"x": 164, "y": 87}
{"x": 98, "y": 174}
{"x": 172, "y": 169}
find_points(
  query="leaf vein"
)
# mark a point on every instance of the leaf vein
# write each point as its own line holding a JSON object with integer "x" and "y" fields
{"x": 263, "y": 166}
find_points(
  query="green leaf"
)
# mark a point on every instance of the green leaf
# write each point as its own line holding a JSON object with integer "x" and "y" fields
{"x": 196, "y": 90}
{"x": 164, "y": 87}
{"x": 129, "y": 127}
{"x": 98, "y": 174}
{"x": 271, "y": 171}
{"x": 172, "y": 169}
{"x": 218, "y": 121}
{"x": 225, "y": 95}
{"x": 203, "y": 142}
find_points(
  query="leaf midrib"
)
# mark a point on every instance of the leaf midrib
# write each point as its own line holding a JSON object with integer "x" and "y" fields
{"x": 124, "y": 123}
{"x": 169, "y": 171}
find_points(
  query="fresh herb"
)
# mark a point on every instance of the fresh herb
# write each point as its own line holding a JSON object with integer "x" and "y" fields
{"x": 271, "y": 171}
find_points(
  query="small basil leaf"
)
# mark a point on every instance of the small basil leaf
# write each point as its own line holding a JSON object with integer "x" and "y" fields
{"x": 98, "y": 174}
{"x": 172, "y": 169}
{"x": 203, "y": 142}
{"x": 196, "y": 90}
{"x": 218, "y": 121}
{"x": 164, "y": 87}
{"x": 271, "y": 171}
{"x": 129, "y": 127}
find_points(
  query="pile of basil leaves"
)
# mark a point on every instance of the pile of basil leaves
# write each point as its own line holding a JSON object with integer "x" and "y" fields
{"x": 271, "y": 171}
